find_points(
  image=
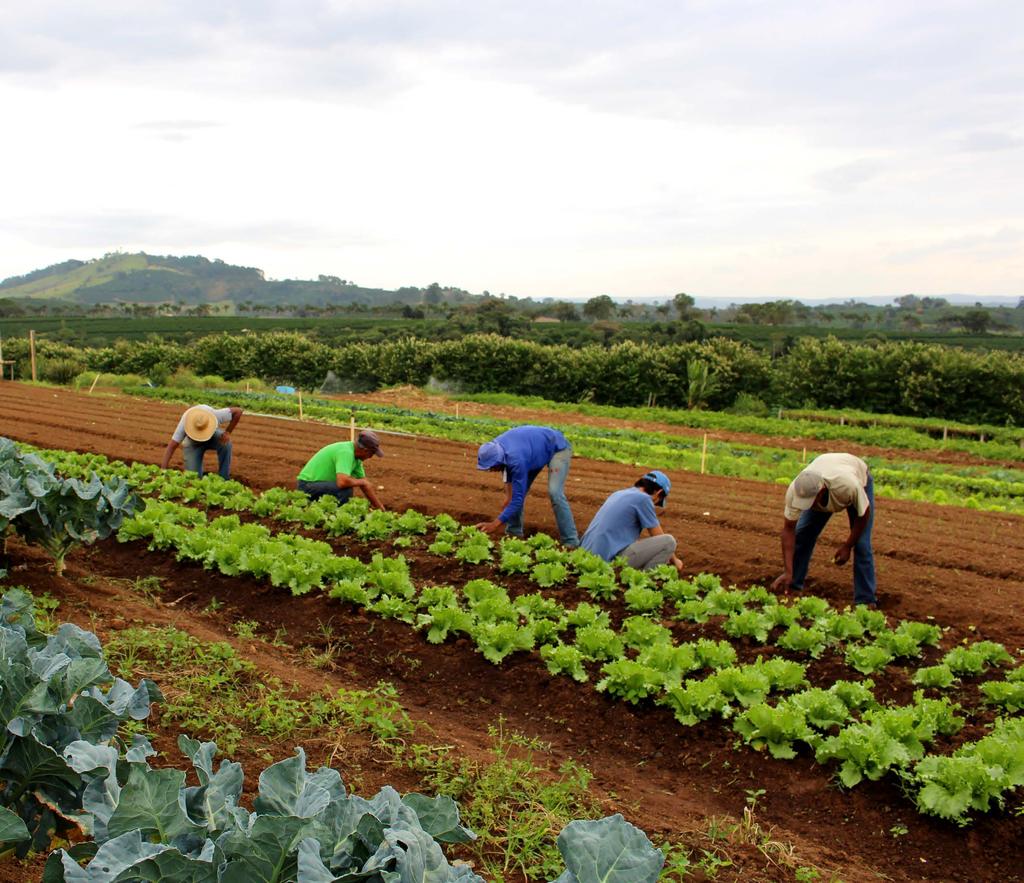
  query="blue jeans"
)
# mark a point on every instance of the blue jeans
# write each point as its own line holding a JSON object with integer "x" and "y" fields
{"x": 808, "y": 529}
{"x": 193, "y": 452}
{"x": 317, "y": 489}
{"x": 558, "y": 472}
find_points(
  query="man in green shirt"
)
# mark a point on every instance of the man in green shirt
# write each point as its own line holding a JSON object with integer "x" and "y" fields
{"x": 337, "y": 470}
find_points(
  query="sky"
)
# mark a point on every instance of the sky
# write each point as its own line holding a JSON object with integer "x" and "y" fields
{"x": 747, "y": 148}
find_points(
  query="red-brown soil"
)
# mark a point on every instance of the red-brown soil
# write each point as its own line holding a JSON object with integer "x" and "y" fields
{"x": 962, "y": 567}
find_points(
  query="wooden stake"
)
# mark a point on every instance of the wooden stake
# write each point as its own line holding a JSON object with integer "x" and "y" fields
{"x": 805, "y": 455}
{"x": 352, "y": 428}
{"x": 32, "y": 352}
{"x": 945, "y": 432}
{"x": 300, "y": 404}
{"x": 247, "y": 386}
{"x": 704, "y": 454}
{"x": 95, "y": 380}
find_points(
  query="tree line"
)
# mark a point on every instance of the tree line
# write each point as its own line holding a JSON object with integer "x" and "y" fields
{"x": 915, "y": 379}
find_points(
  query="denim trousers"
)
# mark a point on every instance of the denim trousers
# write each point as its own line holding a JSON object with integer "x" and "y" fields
{"x": 317, "y": 489}
{"x": 809, "y": 527}
{"x": 558, "y": 472}
{"x": 193, "y": 452}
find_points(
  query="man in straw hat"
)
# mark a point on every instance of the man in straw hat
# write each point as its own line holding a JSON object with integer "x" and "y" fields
{"x": 625, "y": 515}
{"x": 520, "y": 454}
{"x": 198, "y": 431}
{"x": 830, "y": 483}
{"x": 337, "y": 470}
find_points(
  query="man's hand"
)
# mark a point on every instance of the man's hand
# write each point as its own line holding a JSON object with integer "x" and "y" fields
{"x": 225, "y": 438}
{"x": 842, "y": 554}
{"x": 781, "y": 583}
{"x": 489, "y": 526}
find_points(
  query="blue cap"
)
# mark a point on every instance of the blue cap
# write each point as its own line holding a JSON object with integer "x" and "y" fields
{"x": 491, "y": 454}
{"x": 661, "y": 480}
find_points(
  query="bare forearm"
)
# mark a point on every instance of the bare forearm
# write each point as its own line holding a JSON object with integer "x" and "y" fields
{"x": 172, "y": 446}
{"x": 788, "y": 549}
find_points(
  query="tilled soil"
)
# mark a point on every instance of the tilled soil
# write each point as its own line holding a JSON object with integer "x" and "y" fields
{"x": 964, "y": 568}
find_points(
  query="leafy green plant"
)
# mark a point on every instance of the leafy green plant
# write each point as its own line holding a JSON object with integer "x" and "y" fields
{"x": 600, "y": 584}
{"x": 640, "y": 632}
{"x": 57, "y": 695}
{"x": 58, "y": 513}
{"x": 811, "y": 641}
{"x": 641, "y": 599}
{"x": 1010, "y": 695}
{"x": 936, "y": 676}
{"x": 547, "y": 575}
{"x": 597, "y": 642}
{"x": 608, "y": 851}
{"x": 748, "y": 624}
{"x": 868, "y": 658}
{"x": 153, "y": 826}
{"x": 630, "y": 680}
{"x": 696, "y": 700}
{"x": 564, "y": 659}
{"x": 497, "y": 640}
{"x": 776, "y": 728}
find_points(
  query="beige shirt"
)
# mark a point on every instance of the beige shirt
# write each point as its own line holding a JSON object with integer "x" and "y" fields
{"x": 845, "y": 476}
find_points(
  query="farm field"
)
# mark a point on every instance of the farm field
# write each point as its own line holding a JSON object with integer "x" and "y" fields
{"x": 963, "y": 568}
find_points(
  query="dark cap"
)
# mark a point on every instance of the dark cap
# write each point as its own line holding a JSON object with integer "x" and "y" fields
{"x": 368, "y": 441}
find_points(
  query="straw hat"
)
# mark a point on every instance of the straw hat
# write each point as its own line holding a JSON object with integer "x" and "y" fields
{"x": 200, "y": 423}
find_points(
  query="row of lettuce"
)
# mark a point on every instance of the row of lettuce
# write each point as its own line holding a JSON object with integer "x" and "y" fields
{"x": 986, "y": 440}
{"x": 67, "y": 764}
{"x": 895, "y": 378}
{"x": 770, "y": 702}
{"x": 976, "y": 487}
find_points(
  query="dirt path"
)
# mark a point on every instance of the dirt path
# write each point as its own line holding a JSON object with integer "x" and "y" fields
{"x": 965, "y": 568}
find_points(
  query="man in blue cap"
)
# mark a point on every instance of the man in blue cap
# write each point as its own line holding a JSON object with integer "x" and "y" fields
{"x": 617, "y": 526}
{"x": 520, "y": 454}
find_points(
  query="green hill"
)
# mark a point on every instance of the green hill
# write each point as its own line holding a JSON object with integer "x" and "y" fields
{"x": 144, "y": 278}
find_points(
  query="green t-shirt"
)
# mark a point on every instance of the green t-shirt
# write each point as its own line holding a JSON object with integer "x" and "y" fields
{"x": 328, "y": 462}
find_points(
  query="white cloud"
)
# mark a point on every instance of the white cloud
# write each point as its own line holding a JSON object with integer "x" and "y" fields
{"x": 791, "y": 148}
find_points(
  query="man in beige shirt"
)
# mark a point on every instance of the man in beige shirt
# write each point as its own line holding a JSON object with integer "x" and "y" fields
{"x": 830, "y": 483}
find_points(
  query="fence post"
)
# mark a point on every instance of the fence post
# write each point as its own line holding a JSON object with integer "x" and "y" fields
{"x": 945, "y": 432}
{"x": 704, "y": 454}
{"x": 805, "y": 456}
{"x": 352, "y": 428}
{"x": 456, "y": 410}
{"x": 300, "y": 404}
{"x": 95, "y": 380}
{"x": 32, "y": 352}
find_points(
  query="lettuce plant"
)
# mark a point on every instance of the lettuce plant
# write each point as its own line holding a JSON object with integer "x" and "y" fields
{"x": 564, "y": 659}
{"x": 630, "y": 680}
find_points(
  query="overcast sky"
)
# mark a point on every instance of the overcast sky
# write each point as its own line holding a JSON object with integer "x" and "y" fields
{"x": 720, "y": 147}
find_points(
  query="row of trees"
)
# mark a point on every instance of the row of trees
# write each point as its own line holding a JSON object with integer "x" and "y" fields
{"x": 899, "y": 378}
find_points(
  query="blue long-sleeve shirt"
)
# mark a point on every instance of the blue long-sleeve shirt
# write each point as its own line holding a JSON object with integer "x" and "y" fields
{"x": 528, "y": 449}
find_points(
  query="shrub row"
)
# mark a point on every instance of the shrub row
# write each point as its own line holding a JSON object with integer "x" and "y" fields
{"x": 899, "y": 378}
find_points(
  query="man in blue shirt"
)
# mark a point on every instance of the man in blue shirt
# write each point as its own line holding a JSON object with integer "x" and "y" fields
{"x": 617, "y": 526}
{"x": 521, "y": 453}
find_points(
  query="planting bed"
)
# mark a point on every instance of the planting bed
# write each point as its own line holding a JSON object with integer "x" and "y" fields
{"x": 964, "y": 568}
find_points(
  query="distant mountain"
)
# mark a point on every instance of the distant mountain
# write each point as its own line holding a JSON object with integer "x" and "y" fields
{"x": 144, "y": 278}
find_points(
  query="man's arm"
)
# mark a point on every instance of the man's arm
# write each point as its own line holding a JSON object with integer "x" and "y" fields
{"x": 172, "y": 446}
{"x": 856, "y": 529}
{"x": 784, "y": 580}
{"x": 491, "y": 526}
{"x": 236, "y": 415}
{"x": 343, "y": 480}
